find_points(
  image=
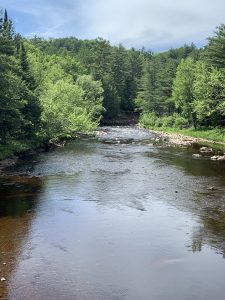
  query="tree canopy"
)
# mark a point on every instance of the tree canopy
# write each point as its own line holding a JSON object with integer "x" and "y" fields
{"x": 50, "y": 89}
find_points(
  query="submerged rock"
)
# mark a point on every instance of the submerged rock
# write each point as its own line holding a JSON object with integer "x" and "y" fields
{"x": 211, "y": 188}
{"x": 196, "y": 155}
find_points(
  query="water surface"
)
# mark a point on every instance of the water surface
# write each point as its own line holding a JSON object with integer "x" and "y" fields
{"x": 113, "y": 217}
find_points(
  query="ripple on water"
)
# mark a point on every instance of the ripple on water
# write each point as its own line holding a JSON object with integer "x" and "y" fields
{"x": 99, "y": 219}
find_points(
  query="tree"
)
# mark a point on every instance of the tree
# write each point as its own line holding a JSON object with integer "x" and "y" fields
{"x": 66, "y": 109}
{"x": 146, "y": 96}
{"x": 92, "y": 96}
{"x": 11, "y": 118}
{"x": 19, "y": 107}
{"x": 215, "y": 50}
{"x": 183, "y": 89}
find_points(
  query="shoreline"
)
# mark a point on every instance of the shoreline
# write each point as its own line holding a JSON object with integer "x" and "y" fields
{"x": 8, "y": 162}
{"x": 44, "y": 147}
{"x": 170, "y": 138}
{"x": 178, "y": 139}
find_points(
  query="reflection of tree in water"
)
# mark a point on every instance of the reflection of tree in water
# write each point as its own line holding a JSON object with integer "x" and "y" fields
{"x": 18, "y": 200}
{"x": 209, "y": 205}
{"x": 211, "y": 232}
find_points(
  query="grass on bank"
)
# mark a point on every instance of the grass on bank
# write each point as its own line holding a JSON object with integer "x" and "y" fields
{"x": 216, "y": 135}
{"x": 175, "y": 124}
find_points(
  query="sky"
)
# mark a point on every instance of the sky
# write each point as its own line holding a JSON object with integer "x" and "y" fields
{"x": 157, "y": 25}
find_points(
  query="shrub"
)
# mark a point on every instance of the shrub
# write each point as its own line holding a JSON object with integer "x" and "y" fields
{"x": 148, "y": 119}
{"x": 180, "y": 122}
{"x": 168, "y": 121}
{"x": 159, "y": 122}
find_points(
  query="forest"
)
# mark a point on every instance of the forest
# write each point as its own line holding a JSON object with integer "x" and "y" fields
{"x": 52, "y": 89}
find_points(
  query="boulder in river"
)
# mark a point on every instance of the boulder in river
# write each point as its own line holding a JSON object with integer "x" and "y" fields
{"x": 218, "y": 157}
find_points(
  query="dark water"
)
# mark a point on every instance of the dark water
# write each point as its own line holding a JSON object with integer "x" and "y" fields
{"x": 113, "y": 218}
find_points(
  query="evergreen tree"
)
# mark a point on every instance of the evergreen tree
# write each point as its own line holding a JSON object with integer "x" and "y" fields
{"x": 11, "y": 118}
{"x": 215, "y": 50}
{"x": 19, "y": 108}
{"x": 183, "y": 89}
{"x": 146, "y": 97}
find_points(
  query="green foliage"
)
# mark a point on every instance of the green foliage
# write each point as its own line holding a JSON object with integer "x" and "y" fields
{"x": 19, "y": 108}
{"x": 183, "y": 86}
{"x": 92, "y": 96}
{"x": 209, "y": 93}
{"x": 146, "y": 98}
{"x": 118, "y": 69}
{"x": 58, "y": 107}
{"x": 70, "y": 101}
{"x": 155, "y": 89}
{"x": 42, "y": 96}
{"x": 215, "y": 50}
{"x": 148, "y": 120}
{"x": 53, "y": 88}
{"x": 168, "y": 121}
{"x": 179, "y": 121}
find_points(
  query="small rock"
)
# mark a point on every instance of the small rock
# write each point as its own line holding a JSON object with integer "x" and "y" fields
{"x": 4, "y": 264}
{"x": 217, "y": 157}
{"x": 221, "y": 158}
{"x": 3, "y": 279}
{"x": 196, "y": 155}
{"x": 211, "y": 188}
{"x": 206, "y": 149}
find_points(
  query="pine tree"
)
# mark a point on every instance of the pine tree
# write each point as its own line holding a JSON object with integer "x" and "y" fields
{"x": 19, "y": 108}
{"x": 215, "y": 50}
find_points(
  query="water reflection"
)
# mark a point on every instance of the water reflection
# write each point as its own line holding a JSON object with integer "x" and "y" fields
{"x": 206, "y": 185}
{"x": 19, "y": 195}
{"x": 211, "y": 231}
{"x": 113, "y": 218}
{"x": 18, "y": 202}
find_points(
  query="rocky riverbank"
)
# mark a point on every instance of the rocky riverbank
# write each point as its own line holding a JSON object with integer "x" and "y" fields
{"x": 205, "y": 148}
{"x": 8, "y": 162}
{"x": 178, "y": 139}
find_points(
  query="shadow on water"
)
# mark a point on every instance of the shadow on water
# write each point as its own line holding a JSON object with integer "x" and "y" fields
{"x": 19, "y": 195}
{"x": 18, "y": 202}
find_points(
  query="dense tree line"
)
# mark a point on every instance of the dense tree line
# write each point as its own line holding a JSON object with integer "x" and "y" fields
{"x": 118, "y": 69}
{"x": 19, "y": 106}
{"x": 50, "y": 89}
{"x": 43, "y": 97}
{"x": 185, "y": 87}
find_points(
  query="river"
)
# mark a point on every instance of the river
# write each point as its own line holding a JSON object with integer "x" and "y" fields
{"x": 113, "y": 217}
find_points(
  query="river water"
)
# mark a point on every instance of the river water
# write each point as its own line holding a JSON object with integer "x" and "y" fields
{"x": 113, "y": 217}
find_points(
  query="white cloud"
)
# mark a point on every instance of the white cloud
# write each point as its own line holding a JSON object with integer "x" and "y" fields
{"x": 155, "y": 24}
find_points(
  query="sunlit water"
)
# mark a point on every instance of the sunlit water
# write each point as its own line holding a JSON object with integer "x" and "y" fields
{"x": 114, "y": 217}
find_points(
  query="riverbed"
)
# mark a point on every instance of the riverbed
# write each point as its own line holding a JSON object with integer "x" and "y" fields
{"x": 117, "y": 216}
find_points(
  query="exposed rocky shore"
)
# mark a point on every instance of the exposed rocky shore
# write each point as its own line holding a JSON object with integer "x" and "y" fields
{"x": 183, "y": 140}
{"x": 175, "y": 139}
